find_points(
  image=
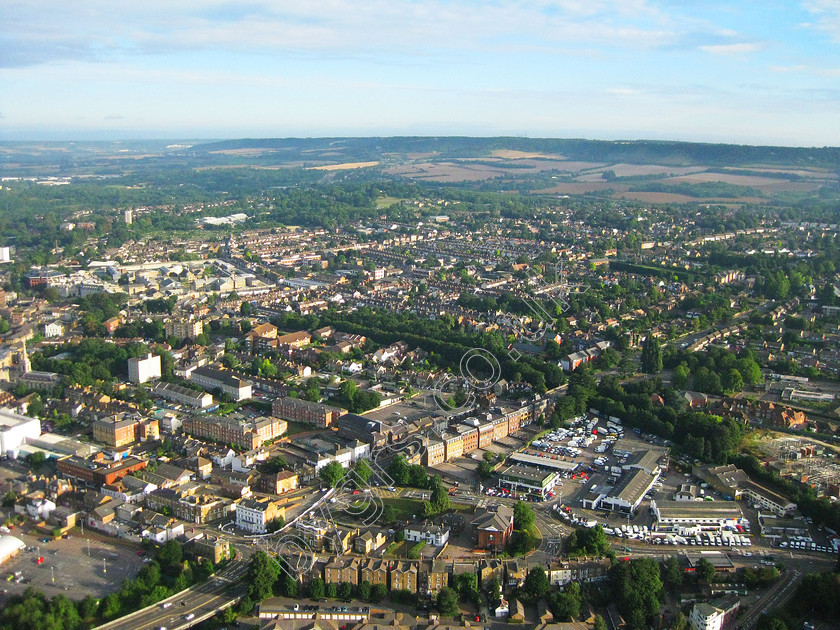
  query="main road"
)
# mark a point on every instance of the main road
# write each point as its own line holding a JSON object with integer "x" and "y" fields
{"x": 202, "y": 601}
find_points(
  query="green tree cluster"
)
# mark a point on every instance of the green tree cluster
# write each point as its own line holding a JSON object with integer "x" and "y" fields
{"x": 637, "y": 588}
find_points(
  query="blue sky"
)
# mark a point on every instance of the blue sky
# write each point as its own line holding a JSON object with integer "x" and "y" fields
{"x": 748, "y": 71}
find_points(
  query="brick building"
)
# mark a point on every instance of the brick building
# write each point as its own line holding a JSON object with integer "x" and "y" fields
{"x": 298, "y": 410}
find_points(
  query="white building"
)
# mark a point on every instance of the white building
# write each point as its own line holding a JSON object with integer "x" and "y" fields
{"x": 430, "y": 534}
{"x": 15, "y": 431}
{"x": 40, "y": 508}
{"x": 254, "y": 516}
{"x": 5, "y": 254}
{"x": 706, "y": 617}
{"x": 707, "y": 515}
{"x": 143, "y": 370}
{"x": 53, "y": 329}
{"x": 10, "y": 547}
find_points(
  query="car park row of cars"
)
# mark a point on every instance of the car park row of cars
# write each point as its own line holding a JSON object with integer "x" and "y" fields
{"x": 643, "y": 533}
{"x": 806, "y": 544}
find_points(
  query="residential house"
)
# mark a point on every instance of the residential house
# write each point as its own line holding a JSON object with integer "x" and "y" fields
{"x": 342, "y": 570}
{"x": 375, "y": 571}
{"x": 404, "y": 576}
{"x": 368, "y": 541}
{"x": 430, "y": 534}
{"x": 280, "y": 482}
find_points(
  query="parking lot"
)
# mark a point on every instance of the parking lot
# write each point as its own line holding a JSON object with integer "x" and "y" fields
{"x": 66, "y": 561}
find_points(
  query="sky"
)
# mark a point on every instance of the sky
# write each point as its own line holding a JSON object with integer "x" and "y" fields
{"x": 757, "y": 72}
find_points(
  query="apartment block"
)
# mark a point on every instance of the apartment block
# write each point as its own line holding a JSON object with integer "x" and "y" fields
{"x": 184, "y": 329}
{"x": 120, "y": 430}
{"x": 298, "y": 410}
{"x": 142, "y": 370}
{"x": 224, "y": 380}
{"x": 246, "y": 434}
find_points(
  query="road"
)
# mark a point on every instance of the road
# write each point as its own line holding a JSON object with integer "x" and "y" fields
{"x": 202, "y": 600}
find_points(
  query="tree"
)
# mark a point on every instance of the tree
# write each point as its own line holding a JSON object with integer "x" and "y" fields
{"x": 447, "y": 602}
{"x": 467, "y": 585}
{"x": 673, "y": 574}
{"x": 600, "y": 623}
{"x": 733, "y": 381}
{"x": 316, "y": 588}
{"x": 109, "y": 606}
{"x": 378, "y": 592}
{"x": 485, "y": 469}
{"x": 680, "y": 378}
{"x": 440, "y": 499}
{"x": 261, "y": 577}
{"x": 170, "y": 554}
{"x": 288, "y": 586}
{"x": 345, "y": 590}
{"x": 494, "y": 591}
{"x": 399, "y": 470}
{"x": 399, "y": 536}
{"x": 363, "y": 470}
{"x": 749, "y": 370}
{"x": 566, "y": 605}
{"x": 590, "y": 542}
{"x": 246, "y": 309}
{"x": 87, "y": 607}
{"x": 651, "y": 355}
{"x": 537, "y": 582}
{"x": 332, "y": 474}
{"x": 37, "y": 458}
{"x": 332, "y": 590}
{"x": 705, "y": 570}
{"x": 637, "y": 586}
{"x": 364, "y": 590}
{"x": 523, "y": 516}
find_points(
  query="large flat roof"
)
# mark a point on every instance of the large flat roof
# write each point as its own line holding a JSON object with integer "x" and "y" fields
{"x": 526, "y": 474}
{"x": 633, "y": 486}
{"x": 698, "y": 509}
{"x": 11, "y": 419}
{"x": 544, "y": 462}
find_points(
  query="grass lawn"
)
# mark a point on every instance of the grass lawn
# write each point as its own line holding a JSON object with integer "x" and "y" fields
{"x": 398, "y": 550}
{"x": 386, "y": 201}
{"x": 298, "y": 427}
{"x": 404, "y": 509}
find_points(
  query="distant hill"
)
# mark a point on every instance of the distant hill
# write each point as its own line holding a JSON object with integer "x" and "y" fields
{"x": 631, "y": 152}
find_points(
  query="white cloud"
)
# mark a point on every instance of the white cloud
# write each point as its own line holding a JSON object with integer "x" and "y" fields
{"x": 733, "y": 49}
{"x": 804, "y": 69}
{"x": 39, "y": 31}
{"x": 827, "y": 13}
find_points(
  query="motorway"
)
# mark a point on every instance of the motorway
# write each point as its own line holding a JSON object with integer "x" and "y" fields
{"x": 203, "y": 601}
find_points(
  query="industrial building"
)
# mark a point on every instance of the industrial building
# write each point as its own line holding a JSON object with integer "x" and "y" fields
{"x": 708, "y": 515}
{"x": 10, "y": 547}
{"x": 532, "y": 480}
{"x": 15, "y": 431}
